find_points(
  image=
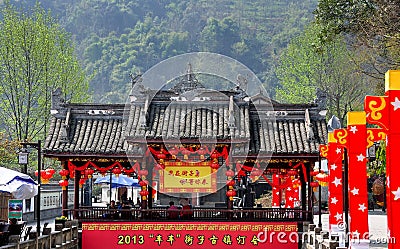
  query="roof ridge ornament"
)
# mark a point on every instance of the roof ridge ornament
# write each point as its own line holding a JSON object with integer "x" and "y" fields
{"x": 188, "y": 82}
{"x": 309, "y": 126}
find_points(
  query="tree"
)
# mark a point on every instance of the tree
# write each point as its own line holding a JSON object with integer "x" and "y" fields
{"x": 307, "y": 65}
{"x": 372, "y": 24}
{"x": 36, "y": 57}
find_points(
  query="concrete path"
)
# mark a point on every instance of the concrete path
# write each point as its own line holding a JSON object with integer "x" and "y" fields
{"x": 377, "y": 221}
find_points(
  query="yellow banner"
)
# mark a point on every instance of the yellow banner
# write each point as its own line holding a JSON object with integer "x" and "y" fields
{"x": 188, "y": 177}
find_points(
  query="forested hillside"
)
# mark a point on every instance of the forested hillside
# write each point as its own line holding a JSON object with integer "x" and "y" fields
{"x": 117, "y": 37}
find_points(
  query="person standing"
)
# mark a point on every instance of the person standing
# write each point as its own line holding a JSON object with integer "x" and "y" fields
{"x": 173, "y": 211}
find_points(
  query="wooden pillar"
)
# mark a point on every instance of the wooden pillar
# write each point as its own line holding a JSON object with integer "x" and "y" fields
{"x": 303, "y": 191}
{"x": 310, "y": 193}
{"x": 64, "y": 202}
{"x": 76, "y": 192}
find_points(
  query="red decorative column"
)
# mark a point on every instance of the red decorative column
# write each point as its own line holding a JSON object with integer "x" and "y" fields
{"x": 384, "y": 111}
{"x": 354, "y": 138}
{"x": 276, "y": 193}
{"x": 289, "y": 193}
{"x": 335, "y": 157}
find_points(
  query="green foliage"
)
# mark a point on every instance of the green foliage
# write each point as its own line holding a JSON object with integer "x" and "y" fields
{"x": 8, "y": 154}
{"x": 307, "y": 65}
{"x": 372, "y": 25}
{"x": 378, "y": 167}
{"x": 36, "y": 57}
{"x": 115, "y": 38}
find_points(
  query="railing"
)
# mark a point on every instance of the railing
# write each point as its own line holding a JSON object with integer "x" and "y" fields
{"x": 64, "y": 239}
{"x": 199, "y": 214}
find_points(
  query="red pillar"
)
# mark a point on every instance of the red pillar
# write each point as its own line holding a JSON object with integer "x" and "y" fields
{"x": 385, "y": 112}
{"x": 276, "y": 195}
{"x": 64, "y": 201}
{"x": 335, "y": 157}
{"x": 358, "y": 193}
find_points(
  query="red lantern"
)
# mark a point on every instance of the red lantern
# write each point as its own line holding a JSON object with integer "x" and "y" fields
{"x": 292, "y": 172}
{"x": 45, "y": 176}
{"x": 314, "y": 184}
{"x": 102, "y": 171}
{"x": 144, "y": 193}
{"x": 161, "y": 155}
{"x": 63, "y": 184}
{"x": 314, "y": 173}
{"x": 215, "y": 164}
{"x": 89, "y": 172}
{"x": 81, "y": 182}
{"x": 231, "y": 193}
{"x": 230, "y": 173}
{"x": 143, "y": 183}
{"x": 143, "y": 172}
{"x": 51, "y": 171}
{"x": 116, "y": 171}
{"x": 185, "y": 152}
{"x": 201, "y": 152}
{"x": 63, "y": 173}
{"x": 173, "y": 152}
{"x": 215, "y": 154}
{"x": 230, "y": 183}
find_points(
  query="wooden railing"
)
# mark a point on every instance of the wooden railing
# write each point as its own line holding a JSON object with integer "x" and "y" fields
{"x": 64, "y": 239}
{"x": 199, "y": 214}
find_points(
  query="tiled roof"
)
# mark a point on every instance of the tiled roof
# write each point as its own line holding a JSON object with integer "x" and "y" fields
{"x": 186, "y": 120}
{"x": 87, "y": 130}
{"x": 102, "y": 130}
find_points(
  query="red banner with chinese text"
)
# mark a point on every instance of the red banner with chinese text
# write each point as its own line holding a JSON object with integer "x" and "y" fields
{"x": 219, "y": 235}
{"x": 188, "y": 177}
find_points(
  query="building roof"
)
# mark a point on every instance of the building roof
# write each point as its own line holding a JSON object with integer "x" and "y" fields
{"x": 257, "y": 124}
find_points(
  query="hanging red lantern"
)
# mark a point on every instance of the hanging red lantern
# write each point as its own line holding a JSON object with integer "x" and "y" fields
{"x": 292, "y": 172}
{"x": 82, "y": 182}
{"x": 230, "y": 183}
{"x": 63, "y": 173}
{"x": 185, "y": 152}
{"x": 143, "y": 172}
{"x": 143, "y": 183}
{"x": 144, "y": 193}
{"x": 215, "y": 164}
{"x": 314, "y": 184}
{"x": 230, "y": 173}
{"x": 173, "y": 152}
{"x": 231, "y": 193}
{"x": 45, "y": 176}
{"x": 117, "y": 171}
{"x": 201, "y": 151}
{"x": 63, "y": 184}
{"x": 89, "y": 172}
{"x": 161, "y": 155}
{"x": 51, "y": 171}
{"x": 314, "y": 173}
{"x": 102, "y": 171}
{"x": 215, "y": 154}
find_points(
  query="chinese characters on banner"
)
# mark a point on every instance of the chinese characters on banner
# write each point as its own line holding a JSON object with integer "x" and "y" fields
{"x": 188, "y": 177}
{"x": 219, "y": 235}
